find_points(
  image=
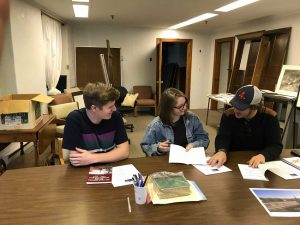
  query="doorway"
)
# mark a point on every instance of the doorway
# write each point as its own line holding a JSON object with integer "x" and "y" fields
{"x": 173, "y": 69}
{"x": 223, "y": 62}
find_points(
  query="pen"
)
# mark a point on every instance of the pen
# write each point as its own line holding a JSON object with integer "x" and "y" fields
{"x": 145, "y": 181}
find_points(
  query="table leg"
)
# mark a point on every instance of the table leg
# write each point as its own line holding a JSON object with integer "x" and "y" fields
{"x": 22, "y": 148}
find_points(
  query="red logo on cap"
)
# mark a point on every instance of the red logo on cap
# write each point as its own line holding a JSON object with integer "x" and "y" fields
{"x": 242, "y": 95}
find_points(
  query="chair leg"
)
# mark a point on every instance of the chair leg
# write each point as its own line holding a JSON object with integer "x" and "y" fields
{"x": 60, "y": 152}
{"x": 135, "y": 112}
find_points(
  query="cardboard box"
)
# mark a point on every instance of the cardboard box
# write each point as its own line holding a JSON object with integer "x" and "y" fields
{"x": 21, "y": 111}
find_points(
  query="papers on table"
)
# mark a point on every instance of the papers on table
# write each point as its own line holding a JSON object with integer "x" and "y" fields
{"x": 279, "y": 202}
{"x": 178, "y": 154}
{"x": 122, "y": 175}
{"x": 281, "y": 169}
{"x": 250, "y": 173}
{"x": 209, "y": 170}
{"x": 293, "y": 161}
{"x": 196, "y": 195}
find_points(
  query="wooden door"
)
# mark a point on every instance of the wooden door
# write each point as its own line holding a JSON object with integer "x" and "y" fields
{"x": 160, "y": 53}
{"x": 89, "y": 68}
{"x": 217, "y": 65}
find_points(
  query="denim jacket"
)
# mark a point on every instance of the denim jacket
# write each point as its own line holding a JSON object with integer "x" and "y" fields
{"x": 157, "y": 132}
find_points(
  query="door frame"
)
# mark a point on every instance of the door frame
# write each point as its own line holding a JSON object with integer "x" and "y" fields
{"x": 159, "y": 42}
{"x": 217, "y": 64}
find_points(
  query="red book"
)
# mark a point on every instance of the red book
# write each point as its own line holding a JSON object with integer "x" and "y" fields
{"x": 99, "y": 175}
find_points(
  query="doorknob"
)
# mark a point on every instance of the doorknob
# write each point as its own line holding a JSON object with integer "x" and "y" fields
{"x": 160, "y": 82}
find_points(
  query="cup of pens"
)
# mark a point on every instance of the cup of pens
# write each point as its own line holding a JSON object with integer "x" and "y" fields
{"x": 140, "y": 189}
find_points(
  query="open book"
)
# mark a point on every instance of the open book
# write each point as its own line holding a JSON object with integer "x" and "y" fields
{"x": 179, "y": 154}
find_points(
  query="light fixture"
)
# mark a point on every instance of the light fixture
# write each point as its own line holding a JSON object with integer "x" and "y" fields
{"x": 235, "y": 5}
{"x": 197, "y": 19}
{"x": 80, "y": 0}
{"x": 81, "y": 10}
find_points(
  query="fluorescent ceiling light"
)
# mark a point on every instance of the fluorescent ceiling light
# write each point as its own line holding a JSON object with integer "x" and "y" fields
{"x": 80, "y": 0}
{"x": 81, "y": 10}
{"x": 235, "y": 5}
{"x": 194, "y": 20}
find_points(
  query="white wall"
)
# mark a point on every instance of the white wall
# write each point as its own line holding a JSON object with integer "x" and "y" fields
{"x": 27, "y": 46}
{"x": 138, "y": 45}
{"x": 7, "y": 72}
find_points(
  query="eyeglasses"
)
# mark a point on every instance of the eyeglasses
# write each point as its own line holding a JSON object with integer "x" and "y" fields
{"x": 180, "y": 107}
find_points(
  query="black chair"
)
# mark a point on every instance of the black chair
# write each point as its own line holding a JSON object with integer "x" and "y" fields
{"x": 124, "y": 109}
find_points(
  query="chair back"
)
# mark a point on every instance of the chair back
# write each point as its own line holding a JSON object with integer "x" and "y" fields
{"x": 145, "y": 92}
{"x": 62, "y": 110}
{"x": 123, "y": 91}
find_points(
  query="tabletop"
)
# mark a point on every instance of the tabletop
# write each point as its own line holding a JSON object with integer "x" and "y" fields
{"x": 59, "y": 195}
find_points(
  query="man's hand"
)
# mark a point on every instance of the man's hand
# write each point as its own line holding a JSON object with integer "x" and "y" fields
{"x": 188, "y": 147}
{"x": 217, "y": 159}
{"x": 81, "y": 157}
{"x": 256, "y": 160}
{"x": 164, "y": 146}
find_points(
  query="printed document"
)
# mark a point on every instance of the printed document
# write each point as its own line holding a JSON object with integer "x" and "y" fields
{"x": 281, "y": 169}
{"x": 250, "y": 173}
{"x": 179, "y": 154}
{"x": 122, "y": 175}
{"x": 209, "y": 170}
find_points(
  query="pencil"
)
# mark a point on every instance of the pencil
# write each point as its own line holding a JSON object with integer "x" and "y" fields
{"x": 129, "y": 206}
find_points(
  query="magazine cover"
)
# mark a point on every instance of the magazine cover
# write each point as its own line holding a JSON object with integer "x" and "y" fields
{"x": 99, "y": 175}
{"x": 279, "y": 202}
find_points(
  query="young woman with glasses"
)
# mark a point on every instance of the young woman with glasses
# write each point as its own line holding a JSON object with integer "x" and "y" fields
{"x": 173, "y": 125}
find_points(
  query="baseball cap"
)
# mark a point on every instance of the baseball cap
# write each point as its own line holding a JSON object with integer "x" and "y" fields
{"x": 245, "y": 97}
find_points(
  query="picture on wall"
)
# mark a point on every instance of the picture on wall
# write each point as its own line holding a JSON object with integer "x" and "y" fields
{"x": 289, "y": 80}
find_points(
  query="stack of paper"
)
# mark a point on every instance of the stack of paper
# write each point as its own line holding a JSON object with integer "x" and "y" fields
{"x": 196, "y": 195}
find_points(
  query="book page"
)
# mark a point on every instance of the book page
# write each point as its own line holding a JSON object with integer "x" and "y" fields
{"x": 282, "y": 169}
{"x": 178, "y": 154}
{"x": 250, "y": 173}
{"x": 209, "y": 170}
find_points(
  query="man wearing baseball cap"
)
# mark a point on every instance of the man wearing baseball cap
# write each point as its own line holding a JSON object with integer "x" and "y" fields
{"x": 248, "y": 126}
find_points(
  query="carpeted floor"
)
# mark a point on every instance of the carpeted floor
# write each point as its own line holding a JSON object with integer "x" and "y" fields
{"x": 140, "y": 123}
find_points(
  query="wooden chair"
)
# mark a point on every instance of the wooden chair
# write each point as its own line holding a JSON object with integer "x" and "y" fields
{"x": 146, "y": 98}
{"x": 61, "y": 111}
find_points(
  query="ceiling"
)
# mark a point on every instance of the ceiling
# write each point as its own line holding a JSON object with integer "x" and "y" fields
{"x": 161, "y": 14}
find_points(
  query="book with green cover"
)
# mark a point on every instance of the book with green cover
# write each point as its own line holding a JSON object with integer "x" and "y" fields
{"x": 171, "y": 186}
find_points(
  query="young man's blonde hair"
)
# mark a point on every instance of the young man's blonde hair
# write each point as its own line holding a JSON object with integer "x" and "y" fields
{"x": 99, "y": 94}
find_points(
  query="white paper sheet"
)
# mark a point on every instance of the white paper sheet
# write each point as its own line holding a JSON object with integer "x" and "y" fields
{"x": 179, "y": 154}
{"x": 122, "y": 175}
{"x": 209, "y": 170}
{"x": 250, "y": 173}
{"x": 281, "y": 169}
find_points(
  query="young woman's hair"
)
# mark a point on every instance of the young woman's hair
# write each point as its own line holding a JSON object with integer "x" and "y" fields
{"x": 99, "y": 94}
{"x": 167, "y": 103}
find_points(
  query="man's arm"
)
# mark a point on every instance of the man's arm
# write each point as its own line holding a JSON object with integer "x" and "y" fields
{"x": 272, "y": 135}
{"x": 82, "y": 157}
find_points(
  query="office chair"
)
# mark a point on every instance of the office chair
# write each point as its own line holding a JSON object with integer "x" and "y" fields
{"x": 124, "y": 109}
